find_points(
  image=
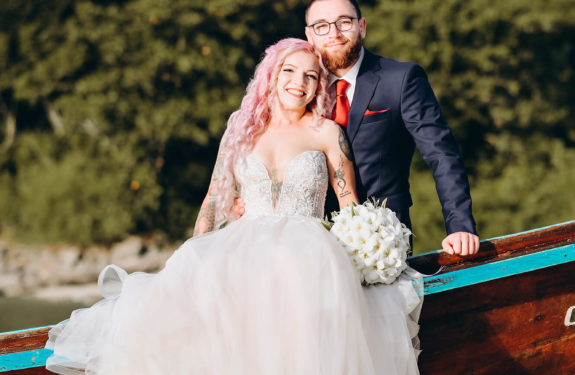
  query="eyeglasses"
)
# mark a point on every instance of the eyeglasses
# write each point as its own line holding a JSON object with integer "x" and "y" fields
{"x": 342, "y": 24}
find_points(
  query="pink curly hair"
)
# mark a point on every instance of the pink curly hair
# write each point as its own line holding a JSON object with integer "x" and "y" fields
{"x": 255, "y": 112}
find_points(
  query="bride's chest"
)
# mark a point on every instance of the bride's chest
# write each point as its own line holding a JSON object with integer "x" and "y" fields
{"x": 306, "y": 167}
{"x": 301, "y": 190}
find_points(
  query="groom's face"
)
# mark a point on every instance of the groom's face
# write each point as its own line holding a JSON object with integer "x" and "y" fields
{"x": 339, "y": 49}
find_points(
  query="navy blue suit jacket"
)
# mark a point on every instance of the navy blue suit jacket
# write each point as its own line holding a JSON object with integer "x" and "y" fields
{"x": 405, "y": 114}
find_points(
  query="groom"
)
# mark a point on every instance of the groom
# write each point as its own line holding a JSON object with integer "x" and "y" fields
{"x": 387, "y": 108}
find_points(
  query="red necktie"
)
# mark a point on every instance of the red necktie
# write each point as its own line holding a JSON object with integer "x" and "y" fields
{"x": 341, "y": 103}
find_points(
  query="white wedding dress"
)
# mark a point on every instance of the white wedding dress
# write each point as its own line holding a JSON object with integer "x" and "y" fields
{"x": 271, "y": 293}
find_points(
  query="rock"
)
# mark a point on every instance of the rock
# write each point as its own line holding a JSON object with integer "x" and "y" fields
{"x": 11, "y": 284}
{"x": 126, "y": 254}
{"x": 53, "y": 271}
{"x": 86, "y": 294}
{"x": 91, "y": 262}
{"x": 67, "y": 259}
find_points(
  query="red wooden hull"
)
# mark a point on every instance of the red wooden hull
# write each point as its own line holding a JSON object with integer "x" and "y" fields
{"x": 513, "y": 325}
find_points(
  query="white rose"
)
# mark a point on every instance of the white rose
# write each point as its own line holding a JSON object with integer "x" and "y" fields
{"x": 361, "y": 211}
{"x": 370, "y": 260}
{"x": 371, "y": 276}
{"x": 358, "y": 224}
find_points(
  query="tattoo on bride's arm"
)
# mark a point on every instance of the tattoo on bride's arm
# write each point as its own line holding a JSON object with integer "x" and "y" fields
{"x": 344, "y": 144}
{"x": 207, "y": 216}
{"x": 276, "y": 187}
{"x": 339, "y": 176}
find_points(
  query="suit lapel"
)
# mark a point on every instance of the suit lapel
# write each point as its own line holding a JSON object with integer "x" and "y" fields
{"x": 366, "y": 83}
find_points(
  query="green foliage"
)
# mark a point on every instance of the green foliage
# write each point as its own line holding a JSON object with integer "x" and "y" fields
{"x": 86, "y": 193}
{"x": 120, "y": 91}
{"x": 111, "y": 110}
{"x": 531, "y": 182}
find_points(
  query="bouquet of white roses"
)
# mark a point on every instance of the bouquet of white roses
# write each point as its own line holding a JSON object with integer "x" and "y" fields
{"x": 376, "y": 241}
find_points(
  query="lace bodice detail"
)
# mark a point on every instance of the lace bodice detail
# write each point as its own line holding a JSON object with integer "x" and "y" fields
{"x": 302, "y": 192}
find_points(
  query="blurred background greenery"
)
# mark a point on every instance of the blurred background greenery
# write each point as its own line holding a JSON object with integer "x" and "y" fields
{"x": 111, "y": 110}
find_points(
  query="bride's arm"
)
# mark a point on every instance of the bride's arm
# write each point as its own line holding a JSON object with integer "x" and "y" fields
{"x": 340, "y": 164}
{"x": 205, "y": 221}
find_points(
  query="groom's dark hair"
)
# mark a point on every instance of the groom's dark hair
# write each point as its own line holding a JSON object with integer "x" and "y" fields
{"x": 352, "y": 2}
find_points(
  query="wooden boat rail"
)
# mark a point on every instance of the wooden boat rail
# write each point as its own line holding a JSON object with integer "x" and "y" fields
{"x": 21, "y": 341}
{"x": 497, "y": 249}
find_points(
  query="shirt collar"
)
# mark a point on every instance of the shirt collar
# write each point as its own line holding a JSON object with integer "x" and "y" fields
{"x": 351, "y": 75}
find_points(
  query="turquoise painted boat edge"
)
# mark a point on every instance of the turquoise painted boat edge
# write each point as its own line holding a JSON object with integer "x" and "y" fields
{"x": 26, "y": 329}
{"x": 498, "y": 238}
{"x": 497, "y": 270}
{"x": 24, "y": 360}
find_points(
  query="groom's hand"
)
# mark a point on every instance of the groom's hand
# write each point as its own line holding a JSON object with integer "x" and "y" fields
{"x": 461, "y": 243}
{"x": 239, "y": 207}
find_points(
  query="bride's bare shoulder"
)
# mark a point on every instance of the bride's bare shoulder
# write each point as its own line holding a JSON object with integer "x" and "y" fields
{"x": 326, "y": 126}
{"x": 331, "y": 130}
{"x": 328, "y": 133}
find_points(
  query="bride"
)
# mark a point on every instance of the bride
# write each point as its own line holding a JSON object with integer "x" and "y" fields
{"x": 272, "y": 292}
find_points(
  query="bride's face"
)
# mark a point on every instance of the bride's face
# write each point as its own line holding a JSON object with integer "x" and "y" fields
{"x": 297, "y": 80}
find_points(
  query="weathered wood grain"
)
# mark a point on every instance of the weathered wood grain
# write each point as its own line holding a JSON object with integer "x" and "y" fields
{"x": 498, "y": 249}
{"x": 23, "y": 341}
{"x": 513, "y": 325}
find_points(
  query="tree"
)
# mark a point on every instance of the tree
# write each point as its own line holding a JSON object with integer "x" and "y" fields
{"x": 135, "y": 91}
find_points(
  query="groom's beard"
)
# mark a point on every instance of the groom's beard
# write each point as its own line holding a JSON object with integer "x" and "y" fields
{"x": 342, "y": 59}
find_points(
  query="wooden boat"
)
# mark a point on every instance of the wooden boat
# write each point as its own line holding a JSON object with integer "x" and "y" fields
{"x": 508, "y": 310}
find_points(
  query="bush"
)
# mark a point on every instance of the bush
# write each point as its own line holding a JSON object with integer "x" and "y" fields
{"x": 80, "y": 193}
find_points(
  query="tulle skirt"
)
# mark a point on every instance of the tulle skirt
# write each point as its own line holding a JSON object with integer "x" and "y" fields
{"x": 265, "y": 295}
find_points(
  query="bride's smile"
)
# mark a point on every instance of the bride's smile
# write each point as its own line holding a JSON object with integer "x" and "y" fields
{"x": 297, "y": 80}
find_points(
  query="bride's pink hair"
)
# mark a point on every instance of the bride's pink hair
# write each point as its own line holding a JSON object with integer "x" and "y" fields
{"x": 255, "y": 113}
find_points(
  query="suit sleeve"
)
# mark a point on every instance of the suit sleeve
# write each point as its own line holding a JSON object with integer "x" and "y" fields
{"x": 422, "y": 117}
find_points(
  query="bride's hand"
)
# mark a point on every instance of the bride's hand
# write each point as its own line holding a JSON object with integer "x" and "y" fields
{"x": 239, "y": 207}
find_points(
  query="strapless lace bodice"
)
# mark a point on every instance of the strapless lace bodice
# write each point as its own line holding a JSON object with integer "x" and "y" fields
{"x": 302, "y": 192}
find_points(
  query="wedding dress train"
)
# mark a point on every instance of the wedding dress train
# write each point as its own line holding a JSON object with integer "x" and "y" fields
{"x": 271, "y": 293}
